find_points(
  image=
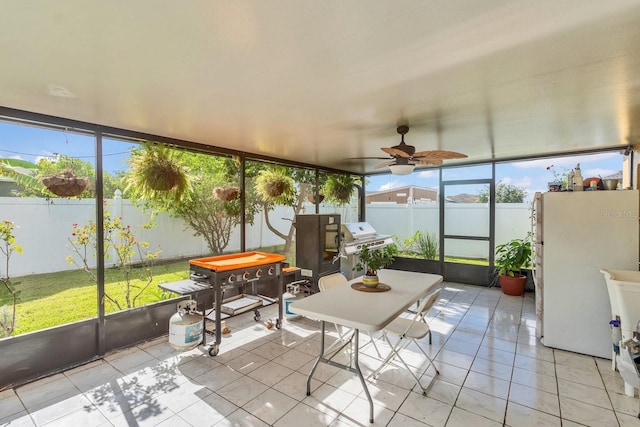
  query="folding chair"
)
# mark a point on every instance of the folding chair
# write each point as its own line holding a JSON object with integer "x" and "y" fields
{"x": 410, "y": 330}
{"x": 338, "y": 279}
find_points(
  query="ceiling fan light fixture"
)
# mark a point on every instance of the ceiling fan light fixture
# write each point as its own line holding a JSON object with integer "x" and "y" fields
{"x": 401, "y": 169}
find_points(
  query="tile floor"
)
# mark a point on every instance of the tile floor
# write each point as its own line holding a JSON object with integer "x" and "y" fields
{"x": 492, "y": 373}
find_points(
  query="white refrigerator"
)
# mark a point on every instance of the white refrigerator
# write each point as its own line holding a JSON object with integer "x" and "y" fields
{"x": 578, "y": 234}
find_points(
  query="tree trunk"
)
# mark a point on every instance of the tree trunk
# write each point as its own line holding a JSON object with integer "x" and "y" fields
{"x": 288, "y": 238}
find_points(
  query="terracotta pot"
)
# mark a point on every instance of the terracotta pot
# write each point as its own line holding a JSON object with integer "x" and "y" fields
{"x": 513, "y": 285}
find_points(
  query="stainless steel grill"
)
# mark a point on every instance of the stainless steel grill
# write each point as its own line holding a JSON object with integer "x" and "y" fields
{"x": 358, "y": 235}
{"x": 355, "y": 236}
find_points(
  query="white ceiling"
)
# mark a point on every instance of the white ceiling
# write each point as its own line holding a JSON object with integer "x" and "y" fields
{"x": 321, "y": 81}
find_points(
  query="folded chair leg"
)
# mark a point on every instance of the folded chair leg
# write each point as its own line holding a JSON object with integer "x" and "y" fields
{"x": 392, "y": 353}
{"x": 373, "y": 341}
{"x": 395, "y": 352}
{"x": 382, "y": 365}
{"x": 428, "y": 358}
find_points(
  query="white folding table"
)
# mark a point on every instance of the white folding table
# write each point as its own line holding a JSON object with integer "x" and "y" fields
{"x": 367, "y": 311}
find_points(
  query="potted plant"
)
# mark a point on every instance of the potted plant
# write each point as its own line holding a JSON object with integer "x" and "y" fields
{"x": 338, "y": 189}
{"x": 559, "y": 179}
{"x": 275, "y": 185}
{"x": 315, "y": 198}
{"x": 156, "y": 172}
{"x": 511, "y": 258}
{"x": 226, "y": 194}
{"x": 65, "y": 183}
{"x": 372, "y": 260}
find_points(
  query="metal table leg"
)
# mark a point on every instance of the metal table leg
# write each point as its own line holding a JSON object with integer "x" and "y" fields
{"x": 354, "y": 365}
{"x": 215, "y": 347}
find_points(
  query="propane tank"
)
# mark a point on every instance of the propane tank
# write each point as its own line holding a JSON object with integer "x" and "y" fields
{"x": 185, "y": 327}
{"x": 292, "y": 295}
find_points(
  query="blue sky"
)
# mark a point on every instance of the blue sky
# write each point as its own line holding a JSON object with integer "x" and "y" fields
{"x": 530, "y": 175}
{"x": 31, "y": 143}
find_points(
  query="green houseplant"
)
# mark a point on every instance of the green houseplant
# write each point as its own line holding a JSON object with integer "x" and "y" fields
{"x": 372, "y": 260}
{"x": 275, "y": 185}
{"x": 157, "y": 173}
{"x": 511, "y": 258}
{"x": 338, "y": 189}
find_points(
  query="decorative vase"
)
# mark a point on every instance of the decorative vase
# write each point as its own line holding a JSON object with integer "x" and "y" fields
{"x": 513, "y": 285}
{"x": 370, "y": 281}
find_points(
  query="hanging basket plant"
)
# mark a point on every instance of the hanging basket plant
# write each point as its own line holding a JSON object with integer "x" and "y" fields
{"x": 339, "y": 189}
{"x": 315, "y": 199}
{"x": 65, "y": 183}
{"x": 226, "y": 194}
{"x": 275, "y": 185}
{"x": 157, "y": 173}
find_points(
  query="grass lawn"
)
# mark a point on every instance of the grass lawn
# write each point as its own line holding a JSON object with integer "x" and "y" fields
{"x": 473, "y": 261}
{"x": 66, "y": 296}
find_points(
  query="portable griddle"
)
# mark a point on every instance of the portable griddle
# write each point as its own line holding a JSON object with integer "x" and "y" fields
{"x": 237, "y": 271}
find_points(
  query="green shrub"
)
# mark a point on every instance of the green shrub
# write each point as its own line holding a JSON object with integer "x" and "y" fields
{"x": 424, "y": 245}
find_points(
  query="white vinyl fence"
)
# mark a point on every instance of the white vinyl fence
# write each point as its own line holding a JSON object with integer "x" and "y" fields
{"x": 43, "y": 228}
{"x": 513, "y": 220}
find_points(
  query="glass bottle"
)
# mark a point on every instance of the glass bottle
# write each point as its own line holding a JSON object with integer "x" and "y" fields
{"x": 577, "y": 179}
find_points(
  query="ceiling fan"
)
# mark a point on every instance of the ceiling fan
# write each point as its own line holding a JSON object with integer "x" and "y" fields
{"x": 404, "y": 157}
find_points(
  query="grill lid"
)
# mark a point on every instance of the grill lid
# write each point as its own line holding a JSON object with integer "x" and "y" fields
{"x": 357, "y": 231}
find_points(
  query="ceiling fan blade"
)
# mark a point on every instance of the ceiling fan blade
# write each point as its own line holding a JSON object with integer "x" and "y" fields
{"x": 427, "y": 162}
{"x": 367, "y": 158}
{"x": 384, "y": 165}
{"x": 395, "y": 152}
{"x": 439, "y": 154}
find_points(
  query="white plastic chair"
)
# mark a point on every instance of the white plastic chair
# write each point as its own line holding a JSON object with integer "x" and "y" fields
{"x": 338, "y": 279}
{"x": 410, "y": 330}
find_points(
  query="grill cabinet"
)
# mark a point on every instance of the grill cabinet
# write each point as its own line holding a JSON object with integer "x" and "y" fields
{"x": 317, "y": 245}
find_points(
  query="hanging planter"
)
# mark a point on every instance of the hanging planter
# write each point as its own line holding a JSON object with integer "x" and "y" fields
{"x": 65, "y": 183}
{"x": 156, "y": 172}
{"x": 274, "y": 189}
{"x": 275, "y": 185}
{"x": 339, "y": 189}
{"x": 226, "y": 194}
{"x": 162, "y": 173}
{"x": 315, "y": 199}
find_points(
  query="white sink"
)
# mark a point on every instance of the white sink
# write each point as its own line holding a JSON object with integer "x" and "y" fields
{"x": 624, "y": 294}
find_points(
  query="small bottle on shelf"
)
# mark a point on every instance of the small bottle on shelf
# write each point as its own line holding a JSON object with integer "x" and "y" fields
{"x": 577, "y": 179}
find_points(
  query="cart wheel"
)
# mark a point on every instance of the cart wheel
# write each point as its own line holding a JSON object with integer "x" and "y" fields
{"x": 257, "y": 316}
{"x": 278, "y": 324}
{"x": 213, "y": 350}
